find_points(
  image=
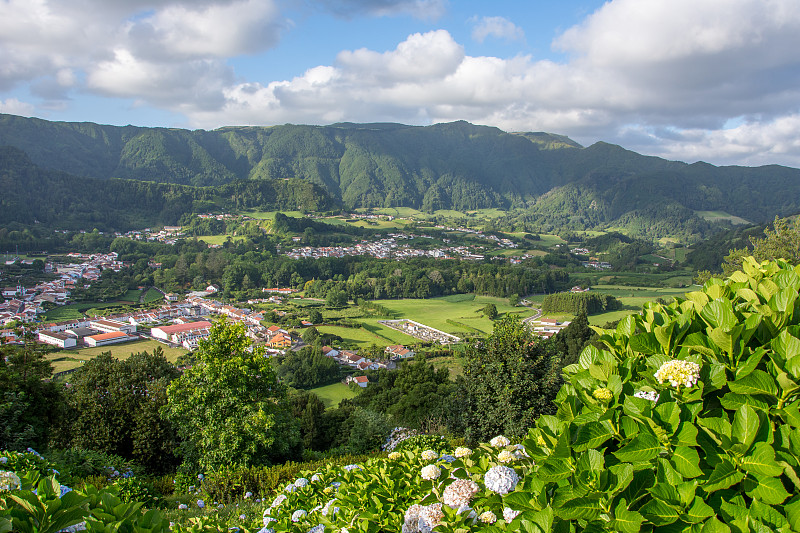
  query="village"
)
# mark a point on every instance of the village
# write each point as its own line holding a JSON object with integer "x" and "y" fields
{"x": 179, "y": 322}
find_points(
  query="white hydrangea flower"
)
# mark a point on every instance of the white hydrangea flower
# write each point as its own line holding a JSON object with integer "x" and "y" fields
{"x": 510, "y": 514}
{"x": 9, "y": 481}
{"x": 298, "y": 515}
{"x": 499, "y": 441}
{"x": 352, "y": 467}
{"x": 315, "y": 478}
{"x": 268, "y": 520}
{"x": 505, "y": 456}
{"x": 394, "y": 456}
{"x": 300, "y": 482}
{"x": 462, "y": 451}
{"x": 430, "y": 516}
{"x": 430, "y": 472}
{"x": 487, "y": 517}
{"x": 329, "y": 508}
{"x": 279, "y": 499}
{"x": 429, "y": 455}
{"x": 3, "y": 460}
{"x": 459, "y": 493}
{"x": 501, "y": 479}
{"x": 183, "y": 507}
{"x": 678, "y": 373}
{"x": 411, "y": 519}
{"x": 266, "y": 529}
{"x": 647, "y": 395}
{"x": 317, "y": 529}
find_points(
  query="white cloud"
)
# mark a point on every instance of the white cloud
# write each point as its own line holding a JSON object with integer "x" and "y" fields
{"x": 662, "y": 76}
{"x": 12, "y": 106}
{"x": 421, "y": 9}
{"x": 497, "y": 27}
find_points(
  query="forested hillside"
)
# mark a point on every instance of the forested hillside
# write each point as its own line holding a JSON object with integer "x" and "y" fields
{"x": 444, "y": 166}
{"x": 34, "y": 195}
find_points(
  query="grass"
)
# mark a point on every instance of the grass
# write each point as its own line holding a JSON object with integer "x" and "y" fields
{"x": 131, "y": 296}
{"x": 435, "y": 312}
{"x": 153, "y": 295}
{"x": 219, "y": 239}
{"x": 722, "y": 215}
{"x": 77, "y": 310}
{"x": 124, "y": 350}
{"x": 453, "y": 364}
{"x": 331, "y": 395}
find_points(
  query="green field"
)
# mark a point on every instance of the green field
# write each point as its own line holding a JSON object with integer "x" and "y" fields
{"x": 153, "y": 295}
{"x": 435, "y": 312}
{"x": 632, "y": 298}
{"x": 70, "y": 311}
{"x": 270, "y": 215}
{"x": 714, "y": 216}
{"x": 453, "y": 364}
{"x": 131, "y": 296}
{"x": 124, "y": 350}
{"x": 331, "y": 395}
{"x": 219, "y": 239}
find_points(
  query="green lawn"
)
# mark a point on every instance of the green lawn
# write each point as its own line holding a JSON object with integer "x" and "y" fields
{"x": 219, "y": 239}
{"x": 331, "y": 395}
{"x": 721, "y": 215}
{"x": 124, "y": 350}
{"x": 453, "y": 364}
{"x": 78, "y": 310}
{"x": 153, "y": 295}
{"x": 131, "y": 296}
{"x": 435, "y": 312}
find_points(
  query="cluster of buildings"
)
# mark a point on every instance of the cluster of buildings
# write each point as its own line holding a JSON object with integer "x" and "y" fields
{"x": 420, "y": 331}
{"x": 25, "y": 304}
{"x": 547, "y": 327}
{"x": 383, "y": 249}
{"x": 100, "y": 332}
{"x": 168, "y": 235}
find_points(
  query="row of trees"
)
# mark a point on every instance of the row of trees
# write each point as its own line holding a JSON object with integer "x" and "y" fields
{"x": 579, "y": 303}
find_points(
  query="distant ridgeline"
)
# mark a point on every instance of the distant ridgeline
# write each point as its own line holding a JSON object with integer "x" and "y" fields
{"x": 444, "y": 166}
{"x": 31, "y": 194}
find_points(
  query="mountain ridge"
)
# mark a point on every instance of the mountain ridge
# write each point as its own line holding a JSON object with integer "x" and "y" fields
{"x": 455, "y": 165}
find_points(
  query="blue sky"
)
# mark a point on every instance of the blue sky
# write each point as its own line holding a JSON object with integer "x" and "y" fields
{"x": 711, "y": 80}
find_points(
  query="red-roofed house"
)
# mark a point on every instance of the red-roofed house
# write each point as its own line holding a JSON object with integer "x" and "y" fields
{"x": 108, "y": 338}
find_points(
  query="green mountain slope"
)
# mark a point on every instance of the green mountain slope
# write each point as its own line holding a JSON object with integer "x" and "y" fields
{"x": 444, "y": 166}
{"x": 32, "y": 194}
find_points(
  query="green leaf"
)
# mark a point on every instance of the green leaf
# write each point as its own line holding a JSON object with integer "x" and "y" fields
{"x": 719, "y": 314}
{"x": 793, "y": 514}
{"x": 585, "y": 508}
{"x": 733, "y": 401}
{"x": 645, "y": 343}
{"x": 769, "y": 490}
{"x": 554, "y": 470}
{"x": 715, "y": 526}
{"x": 757, "y": 382}
{"x": 724, "y": 475}
{"x": 762, "y": 461}
{"x": 750, "y": 363}
{"x": 698, "y": 512}
{"x": 686, "y": 435}
{"x": 643, "y": 447}
{"x": 626, "y": 521}
{"x": 686, "y": 461}
{"x": 659, "y": 513}
{"x": 745, "y": 428}
{"x": 593, "y": 435}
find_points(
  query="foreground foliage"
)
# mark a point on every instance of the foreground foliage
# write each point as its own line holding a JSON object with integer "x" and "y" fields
{"x": 685, "y": 419}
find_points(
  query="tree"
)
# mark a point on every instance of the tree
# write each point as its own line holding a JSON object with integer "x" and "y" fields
{"x": 782, "y": 241}
{"x": 115, "y": 408}
{"x": 29, "y": 405}
{"x": 336, "y": 298}
{"x": 490, "y": 311}
{"x": 310, "y": 335}
{"x": 230, "y": 406}
{"x": 315, "y": 317}
{"x": 509, "y": 379}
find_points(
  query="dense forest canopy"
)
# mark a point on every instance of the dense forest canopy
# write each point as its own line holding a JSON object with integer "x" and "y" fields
{"x": 444, "y": 166}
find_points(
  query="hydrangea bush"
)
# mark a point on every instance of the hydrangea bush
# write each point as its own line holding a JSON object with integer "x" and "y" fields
{"x": 685, "y": 419}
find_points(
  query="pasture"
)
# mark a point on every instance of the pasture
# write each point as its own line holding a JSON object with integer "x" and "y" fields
{"x": 123, "y": 350}
{"x": 331, "y": 395}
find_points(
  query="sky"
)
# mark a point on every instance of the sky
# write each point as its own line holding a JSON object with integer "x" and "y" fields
{"x": 689, "y": 80}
